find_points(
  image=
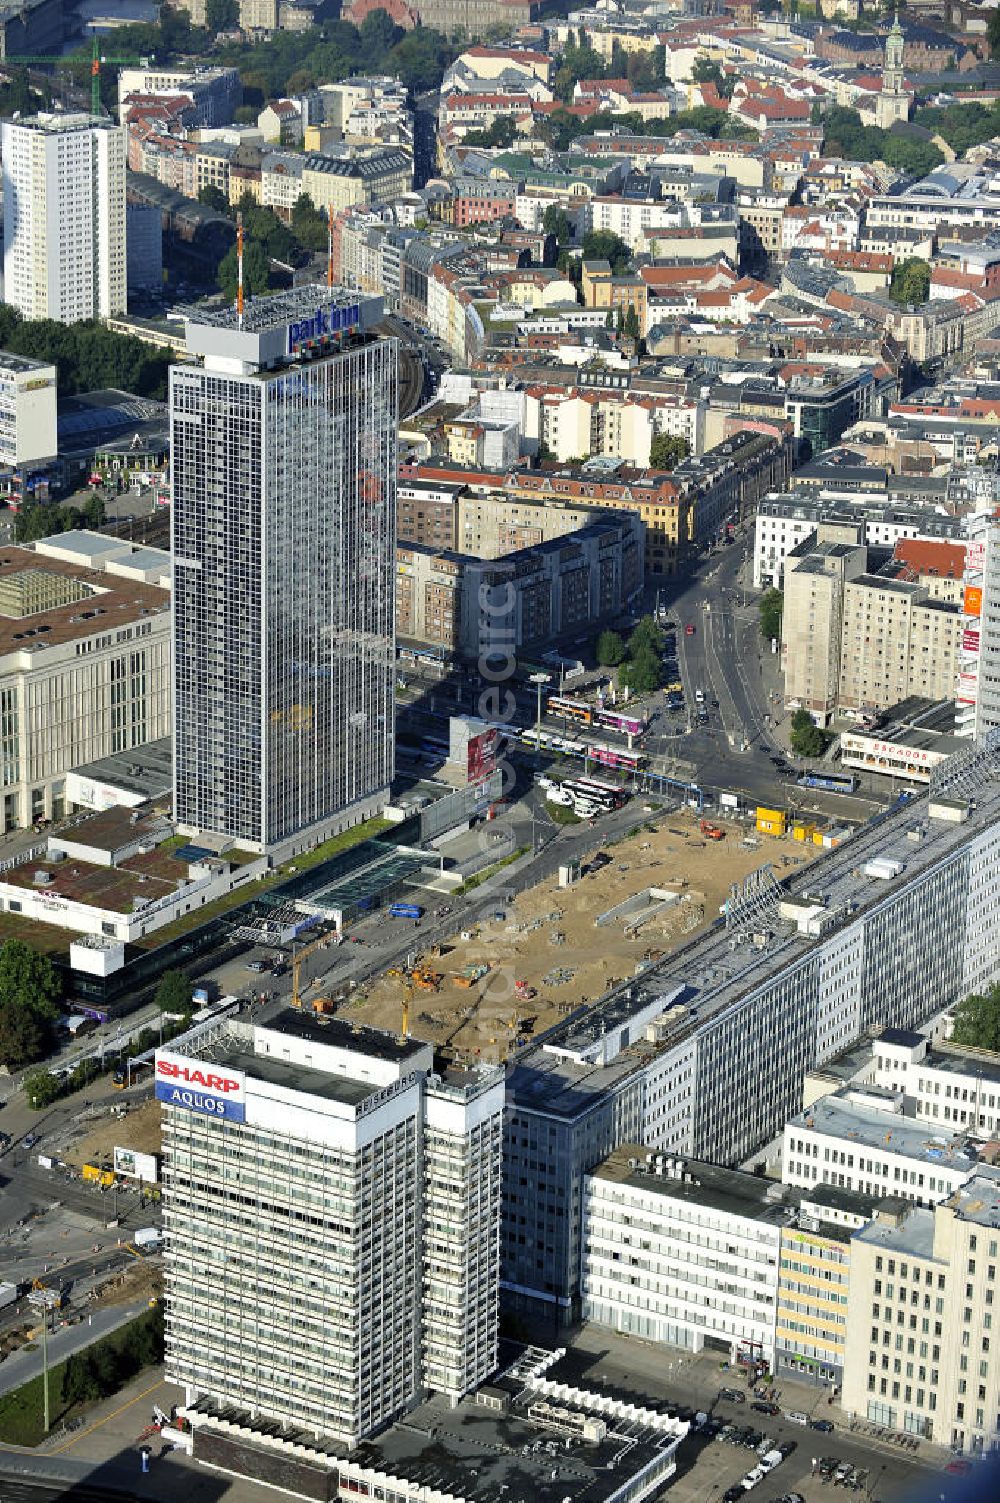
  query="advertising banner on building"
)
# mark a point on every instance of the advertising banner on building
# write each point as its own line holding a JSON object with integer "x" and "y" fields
{"x": 482, "y": 754}
{"x": 132, "y": 1165}
{"x": 972, "y": 601}
{"x": 970, "y": 642}
{"x": 200, "y": 1087}
{"x": 968, "y": 688}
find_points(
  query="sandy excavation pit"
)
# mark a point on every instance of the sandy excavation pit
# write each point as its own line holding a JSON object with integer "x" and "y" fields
{"x": 548, "y": 941}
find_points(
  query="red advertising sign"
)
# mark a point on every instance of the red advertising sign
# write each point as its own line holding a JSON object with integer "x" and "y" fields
{"x": 970, "y": 641}
{"x": 482, "y": 755}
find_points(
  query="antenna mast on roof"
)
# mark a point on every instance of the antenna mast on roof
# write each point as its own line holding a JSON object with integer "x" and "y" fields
{"x": 239, "y": 268}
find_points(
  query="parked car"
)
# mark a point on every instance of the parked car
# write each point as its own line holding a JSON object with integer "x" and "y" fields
{"x": 786, "y": 1447}
{"x": 821, "y": 1424}
{"x": 732, "y": 1494}
{"x": 796, "y": 1417}
{"x": 763, "y": 1408}
{"x": 731, "y": 1396}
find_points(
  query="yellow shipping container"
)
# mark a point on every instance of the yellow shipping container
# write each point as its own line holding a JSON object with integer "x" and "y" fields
{"x": 817, "y": 837}
{"x": 803, "y": 832}
{"x": 771, "y": 821}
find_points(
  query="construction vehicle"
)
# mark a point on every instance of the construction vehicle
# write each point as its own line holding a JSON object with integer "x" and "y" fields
{"x": 712, "y": 831}
{"x": 428, "y": 981}
{"x": 297, "y": 959}
{"x": 97, "y": 62}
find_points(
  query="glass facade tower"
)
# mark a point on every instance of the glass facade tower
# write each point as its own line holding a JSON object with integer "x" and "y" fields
{"x": 283, "y": 469}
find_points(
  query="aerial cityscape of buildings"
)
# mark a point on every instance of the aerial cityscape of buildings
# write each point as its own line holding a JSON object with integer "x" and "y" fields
{"x": 500, "y": 747}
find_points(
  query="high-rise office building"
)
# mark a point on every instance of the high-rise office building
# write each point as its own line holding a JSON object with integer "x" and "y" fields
{"x": 283, "y": 456}
{"x": 332, "y": 1221}
{"x": 64, "y": 216}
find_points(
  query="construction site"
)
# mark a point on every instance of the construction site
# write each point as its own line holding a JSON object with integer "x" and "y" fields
{"x": 489, "y": 989}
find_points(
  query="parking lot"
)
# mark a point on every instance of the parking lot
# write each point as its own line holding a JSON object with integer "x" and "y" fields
{"x": 710, "y": 1462}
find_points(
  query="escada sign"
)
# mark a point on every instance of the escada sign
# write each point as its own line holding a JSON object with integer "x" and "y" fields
{"x": 200, "y": 1087}
{"x": 323, "y": 323}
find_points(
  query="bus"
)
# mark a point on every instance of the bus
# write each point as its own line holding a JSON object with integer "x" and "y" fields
{"x": 627, "y": 725}
{"x": 406, "y": 910}
{"x": 613, "y": 756}
{"x": 604, "y": 789}
{"x": 829, "y": 782}
{"x": 570, "y": 709}
{"x": 584, "y": 791}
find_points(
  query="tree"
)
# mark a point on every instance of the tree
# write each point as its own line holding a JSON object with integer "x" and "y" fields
{"x": 610, "y": 650}
{"x": 646, "y": 637}
{"x": 977, "y": 1020}
{"x": 605, "y": 245}
{"x": 707, "y": 71}
{"x": 174, "y": 993}
{"x": 501, "y": 132}
{"x": 309, "y": 226}
{"x": 993, "y": 33}
{"x": 379, "y": 34}
{"x": 213, "y": 198}
{"x": 255, "y": 271}
{"x": 643, "y": 673}
{"x": 772, "y": 603}
{"x": 666, "y": 450}
{"x": 911, "y": 281}
{"x": 807, "y": 739}
{"x": 631, "y": 327}
{"x": 555, "y": 221}
{"x": 221, "y": 15}
{"x": 28, "y": 980}
{"x": 41, "y": 1088}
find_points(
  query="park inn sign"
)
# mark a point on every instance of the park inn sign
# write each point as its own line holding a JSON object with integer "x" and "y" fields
{"x": 323, "y": 324}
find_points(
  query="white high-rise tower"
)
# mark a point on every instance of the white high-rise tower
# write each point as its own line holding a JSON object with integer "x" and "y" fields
{"x": 64, "y": 217}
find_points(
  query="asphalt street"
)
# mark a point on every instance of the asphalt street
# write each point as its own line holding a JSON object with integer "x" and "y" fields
{"x": 64, "y": 1341}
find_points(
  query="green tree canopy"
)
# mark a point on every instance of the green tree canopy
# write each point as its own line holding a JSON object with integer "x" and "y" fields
{"x": 771, "y": 605}
{"x": 174, "y": 993}
{"x": 666, "y": 450}
{"x": 610, "y": 650}
{"x": 911, "y": 281}
{"x": 646, "y": 636}
{"x": 213, "y": 198}
{"x": 501, "y": 132}
{"x": 643, "y": 673}
{"x": 309, "y": 225}
{"x": 29, "y": 992}
{"x": 221, "y": 15}
{"x": 41, "y": 1088}
{"x": 605, "y": 245}
{"x": 977, "y": 1020}
{"x": 807, "y": 739}
{"x": 255, "y": 271}
{"x": 555, "y": 221}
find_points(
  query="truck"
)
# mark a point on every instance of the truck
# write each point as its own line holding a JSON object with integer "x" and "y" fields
{"x": 8, "y": 1295}
{"x": 148, "y": 1238}
{"x": 405, "y": 910}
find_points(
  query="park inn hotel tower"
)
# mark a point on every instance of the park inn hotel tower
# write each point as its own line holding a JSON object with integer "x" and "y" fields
{"x": 332, "y": 1226}
{"x": 283, "y": 459}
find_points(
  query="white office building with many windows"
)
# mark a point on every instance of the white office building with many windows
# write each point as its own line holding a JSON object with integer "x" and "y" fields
{"x": 683, "y": 1253}
{"x": 283, "y": 461}
{"x": 331, "y": 1212}
{"x": 64, "y": 217}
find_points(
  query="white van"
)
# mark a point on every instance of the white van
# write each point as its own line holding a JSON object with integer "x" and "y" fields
{"x": 557, "y": 795}
{"x": 699, "y": 695}
{"x": 796, "y": 1417}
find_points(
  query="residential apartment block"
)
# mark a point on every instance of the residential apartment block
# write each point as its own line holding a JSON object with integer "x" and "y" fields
{"x": 64, "y": 216}
{"x": 528, "y": 596}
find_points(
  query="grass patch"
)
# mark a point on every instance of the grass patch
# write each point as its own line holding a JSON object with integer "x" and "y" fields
{"x": 98, "y": 1371}
{"x": 47, "y": 938}
{"x": 337, "y": 843}
{"x": 472, "y": 883}
{"x": 22, "y": 1411}
{"x": 173, "y": 843}
{"x": 563, "y": 814}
